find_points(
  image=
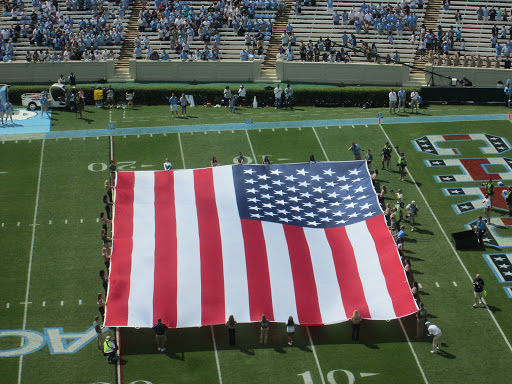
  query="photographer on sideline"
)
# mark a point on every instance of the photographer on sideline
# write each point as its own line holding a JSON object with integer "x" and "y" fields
{"x": 402, "y": 163}
{"x": 386, "y": 155}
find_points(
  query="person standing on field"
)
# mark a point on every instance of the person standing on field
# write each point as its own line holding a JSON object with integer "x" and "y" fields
{"x": 487, "y": 208}
{"x": 478, "y": 282}
{"x": 412, "y": 210}
{"x": 99, "y": 332}
{"x": 386, "y": 155}
{"x": 44, "y": 105}
{"x": 401, "y": 99}
{"x": 278, "y": 92}
{"x": 161, "y": 337}
{"x": 392, "y": 101}
{"x": 173, "y": 104}
{"x": 414, "y": 101}
{"x": 421, "y": 317}
{"x": 489, "y": 190}
{"x": 288, "y": 94}
{"x": 231, "y": 324}
{"x": 264, "y": 326}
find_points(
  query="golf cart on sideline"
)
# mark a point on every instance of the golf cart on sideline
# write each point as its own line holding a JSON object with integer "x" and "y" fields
{"x": 59, "y": 96}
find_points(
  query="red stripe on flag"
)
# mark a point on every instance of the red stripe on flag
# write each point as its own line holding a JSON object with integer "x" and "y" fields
{"x": 392, "y": 269}
{"x": 258, "y": 276}
{"x": 119, "y": 288}
{"x": 166, "y": 252}
{"x": 212, "y": 273}
{"x": 306, "y": 295}
{"x": 351, "y": 288}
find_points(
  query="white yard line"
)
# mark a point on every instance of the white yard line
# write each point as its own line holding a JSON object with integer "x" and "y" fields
{"x": 216, "y": 354}
{"x": 413, "y": 352}
{"x": 316, "y": 356}
{"x": 321, "y": 146}
{"x": 252, "y": 149}
{"x": 181, "y": 150}
{"x": 31, "y": 255}
{"x": 450, "y": 243}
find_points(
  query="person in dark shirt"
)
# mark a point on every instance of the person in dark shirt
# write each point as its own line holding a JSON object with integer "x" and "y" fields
{"x": 161, "y": 338}
{"x": 478, "y": 282}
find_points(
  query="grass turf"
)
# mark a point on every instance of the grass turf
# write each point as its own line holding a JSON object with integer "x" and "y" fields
{"x": 66, "y": 261}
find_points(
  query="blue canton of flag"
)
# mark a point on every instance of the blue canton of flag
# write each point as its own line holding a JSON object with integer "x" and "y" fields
{"x": 316, "y": 195}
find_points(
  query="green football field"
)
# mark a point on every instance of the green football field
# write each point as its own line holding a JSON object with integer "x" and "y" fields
{"x": 51, "y": 195}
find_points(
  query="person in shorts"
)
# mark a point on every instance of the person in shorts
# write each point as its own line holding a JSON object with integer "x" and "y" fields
{"x": 2, "y": 112}
{"x": 8, "y": 111}
{"x": 478, "y": 282}
{"x": 173, "y": 104}
{"x": 161, "y": 337}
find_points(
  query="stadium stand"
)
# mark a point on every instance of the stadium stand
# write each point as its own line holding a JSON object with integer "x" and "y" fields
{"x": 205, "y": 31}
{"x": 62, "y": 30}
{"x": 485, "y": 33}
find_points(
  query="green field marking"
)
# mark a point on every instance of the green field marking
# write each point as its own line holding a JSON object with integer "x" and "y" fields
{"x": 67, "y": 258}
{"x": 189, "y": 357}
{"x": 450, "y": 305}
{"x": 281, "y": 146}
{"x": 251, "y": 362}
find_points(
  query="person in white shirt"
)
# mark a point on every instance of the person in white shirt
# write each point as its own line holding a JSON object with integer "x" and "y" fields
{"x": 167, "y": 165}
{"x": 242, "y": 94}
{"x": 414, "y": 101}
{"x": 433, "y": 330}
{"x": 392, "y": 101}
{"x": 487, "y": 208}
{"x": 278, "y": 91}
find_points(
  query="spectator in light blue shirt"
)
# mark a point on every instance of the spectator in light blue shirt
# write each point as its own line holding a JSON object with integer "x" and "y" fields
{"x": 164, "y": 56}
{"x": 244, "y": 55}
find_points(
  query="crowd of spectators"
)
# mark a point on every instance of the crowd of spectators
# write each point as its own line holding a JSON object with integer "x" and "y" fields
{"x": 180, "y": 24}
{"x": 63, "y": 36}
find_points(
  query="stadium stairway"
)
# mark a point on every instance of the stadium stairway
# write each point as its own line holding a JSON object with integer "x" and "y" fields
{"x": 432, "y": 12}
{"x": 122, "y": 71}
{"x": 268, "y": 69}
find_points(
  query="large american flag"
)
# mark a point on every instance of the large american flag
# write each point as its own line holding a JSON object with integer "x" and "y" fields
{"x": 302, "y": 240}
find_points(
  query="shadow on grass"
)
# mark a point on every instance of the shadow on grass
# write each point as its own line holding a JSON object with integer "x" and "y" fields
{"x": 187, "y": 340}
{"x": 493, "y": 309}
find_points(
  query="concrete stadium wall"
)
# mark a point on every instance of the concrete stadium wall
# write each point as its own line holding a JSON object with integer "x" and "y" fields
{"x": 343, "y": 73}
{"x": 247, "y": 71}
{"x": 480, "y": 77}
{"x": 23, "y": 72}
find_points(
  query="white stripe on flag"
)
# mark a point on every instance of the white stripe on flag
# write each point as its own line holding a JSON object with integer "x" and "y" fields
{"x": 142, "y": 276}
{"x": 236, "y": 293}
{"x": 280, "y": 271}
{"x": 370, "y": 272}
{"x": 328, "y": 289}
{"x": 189, "y": 256}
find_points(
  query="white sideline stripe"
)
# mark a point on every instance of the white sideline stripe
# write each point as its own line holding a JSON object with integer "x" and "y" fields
{"x": 66, "y": 221}
{"x": 420, "y": 286}
{"x": 455, "y": 283}
{"x": 181, "y": 151}
{"x": 316, "y": 357}
{"x": 250, "y": 144}
{"x": 437, "y": 284}
{"x": 50, "y": 222}
{"x": 7, "y": 306}
{"x": 451, "y": 245}
{"x": 44, "y": 303}
{"x": 216, "y": 354}
{"x": 31, "y": 255}
{"x": 321, "y": 146}
{"x": 80, "y": 302}
{"x": 19, "y": 223}
{"x": 81, "y": 221}
{"x": 412, "y": 350}
{"x": 62, "y": 303}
